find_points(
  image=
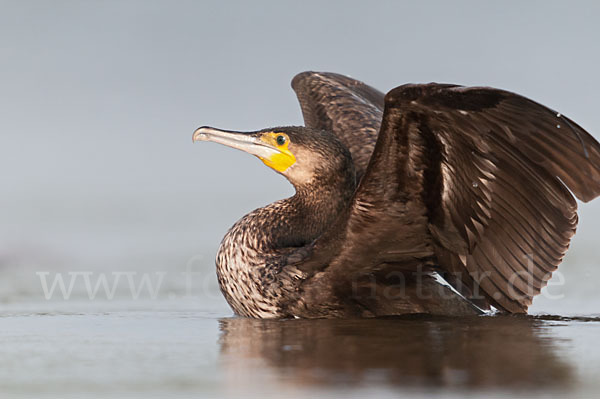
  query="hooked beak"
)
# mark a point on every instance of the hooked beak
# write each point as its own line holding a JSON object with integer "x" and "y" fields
{"x": 247, "y": 142}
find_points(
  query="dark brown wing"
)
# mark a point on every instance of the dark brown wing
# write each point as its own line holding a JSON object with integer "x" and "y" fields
{"x": 349, "y": 108}
{"x": 473, "y": 179}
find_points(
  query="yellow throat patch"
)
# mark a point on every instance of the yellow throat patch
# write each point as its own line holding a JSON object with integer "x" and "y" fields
{"x": 283, "y": 159}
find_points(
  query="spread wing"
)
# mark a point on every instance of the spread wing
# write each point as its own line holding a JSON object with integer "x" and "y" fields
{"x": 348, "y": 108}
{"x": 473, "y": 180}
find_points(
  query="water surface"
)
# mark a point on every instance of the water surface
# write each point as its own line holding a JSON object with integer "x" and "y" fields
{"x": 153, "y": 353}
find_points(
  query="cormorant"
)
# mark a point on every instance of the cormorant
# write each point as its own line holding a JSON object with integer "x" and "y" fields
{"x": 435, "y": 198}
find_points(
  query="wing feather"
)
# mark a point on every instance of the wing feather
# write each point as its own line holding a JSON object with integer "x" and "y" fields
{"x": 475, "y": 180}
{"x": 350, "y": 109}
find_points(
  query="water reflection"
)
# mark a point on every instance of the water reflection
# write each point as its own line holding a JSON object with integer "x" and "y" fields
{"x": 502, "y": 352}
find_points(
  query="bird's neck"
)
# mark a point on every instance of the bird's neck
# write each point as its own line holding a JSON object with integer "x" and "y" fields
{"x": 319, "y": 204}
{"x": 302, "y": 218}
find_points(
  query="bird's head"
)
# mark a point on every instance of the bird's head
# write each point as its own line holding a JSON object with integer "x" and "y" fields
{"x": 300, "y": 154}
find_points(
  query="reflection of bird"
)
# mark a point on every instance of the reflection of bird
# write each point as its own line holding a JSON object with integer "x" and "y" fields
{"x": 503, "y": 352}
{"x": 435, "y": 199}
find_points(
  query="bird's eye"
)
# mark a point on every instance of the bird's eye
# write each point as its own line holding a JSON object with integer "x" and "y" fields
{"x": 280, "y": 140}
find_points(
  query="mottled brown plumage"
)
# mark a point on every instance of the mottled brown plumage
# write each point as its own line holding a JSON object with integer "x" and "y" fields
{"x": 394, "y": 193}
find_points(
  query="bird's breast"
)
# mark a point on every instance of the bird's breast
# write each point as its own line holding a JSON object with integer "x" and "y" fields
{"x": 248, "y": 285}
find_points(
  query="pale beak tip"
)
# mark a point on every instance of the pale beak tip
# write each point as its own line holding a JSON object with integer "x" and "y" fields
{"x": 200, "y": 134}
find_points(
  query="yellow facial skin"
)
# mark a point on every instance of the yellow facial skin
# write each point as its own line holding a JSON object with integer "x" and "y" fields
{"x": 282, "y": 160}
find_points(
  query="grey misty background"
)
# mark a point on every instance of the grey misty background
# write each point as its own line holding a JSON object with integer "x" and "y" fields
{"x": 99, "y": 100}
